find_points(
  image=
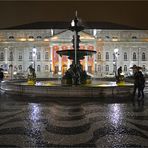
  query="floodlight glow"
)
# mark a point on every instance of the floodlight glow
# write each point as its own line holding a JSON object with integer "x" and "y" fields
{"x": 116, "y": 50}
{"x": 72, "y": 23}
{"x": 34, "y": 49}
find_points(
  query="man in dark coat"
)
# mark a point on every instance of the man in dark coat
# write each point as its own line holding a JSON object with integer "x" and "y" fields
{"x": 1, "y": 75}
{"x": 139, "y": 83}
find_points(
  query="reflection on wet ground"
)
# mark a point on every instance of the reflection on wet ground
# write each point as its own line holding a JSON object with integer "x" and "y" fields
{"x": 31, "y": 122}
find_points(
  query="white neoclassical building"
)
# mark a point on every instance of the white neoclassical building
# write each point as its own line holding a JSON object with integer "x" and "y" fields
{"x": 21, "y": 48}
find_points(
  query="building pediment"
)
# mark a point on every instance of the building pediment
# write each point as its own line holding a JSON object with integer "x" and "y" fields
{"x": 67, "y": 36}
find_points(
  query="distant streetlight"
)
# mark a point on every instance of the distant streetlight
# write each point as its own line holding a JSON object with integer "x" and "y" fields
{"x": 34, "y": 50}
{"x": 116, "y": 54}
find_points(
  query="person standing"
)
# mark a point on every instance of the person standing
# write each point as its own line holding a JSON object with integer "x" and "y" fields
{"x": 1, "y": 75}
{"x": 139, "y": 84}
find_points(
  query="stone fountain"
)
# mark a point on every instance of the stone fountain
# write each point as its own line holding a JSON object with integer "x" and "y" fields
{"x": 75, "y": 75}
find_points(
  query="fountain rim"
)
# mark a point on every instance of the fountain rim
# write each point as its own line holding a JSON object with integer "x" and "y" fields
{"x": 64, "y": 91}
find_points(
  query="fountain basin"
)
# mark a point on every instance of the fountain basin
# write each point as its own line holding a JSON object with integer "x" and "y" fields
{"x": 56, "y": 90}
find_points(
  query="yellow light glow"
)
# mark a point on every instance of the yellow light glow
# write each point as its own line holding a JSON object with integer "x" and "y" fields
{"x": 86, "y": 37}
{"x": 22, "y": 39}
{"x": 31, "y": 39}
{"x": 46, "y": 40}
{"x": 54, "y": 38}
{"x": 146, "y": 39}
{"x": 114, "y": 40}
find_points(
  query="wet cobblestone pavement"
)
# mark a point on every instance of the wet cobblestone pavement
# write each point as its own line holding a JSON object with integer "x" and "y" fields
{"x": 38, "y": 122}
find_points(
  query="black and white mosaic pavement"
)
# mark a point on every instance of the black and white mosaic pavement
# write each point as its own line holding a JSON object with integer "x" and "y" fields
{"x": 26, "y": 122}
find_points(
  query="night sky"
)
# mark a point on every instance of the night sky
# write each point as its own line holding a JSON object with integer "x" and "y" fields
{"x": 131, "y": 13}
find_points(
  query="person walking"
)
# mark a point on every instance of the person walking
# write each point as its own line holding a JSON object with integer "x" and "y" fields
{"x": 139, "y": 84}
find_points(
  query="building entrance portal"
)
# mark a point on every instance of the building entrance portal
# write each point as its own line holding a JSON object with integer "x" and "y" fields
{"x": 64, "y": 69}
{"x": 90, "y": 69}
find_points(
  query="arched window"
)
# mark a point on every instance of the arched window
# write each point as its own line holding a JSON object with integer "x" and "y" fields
{"x": 99, "y": 56}
{"x": 107, "y": 56}
{"x": 2, "y": 56}
{"x": 20, "y": 67}
{"x": 99, "y": 68}
{"x": 38, "y": 55}
{"x": 38, "y": 68}
{"x": 39, "y": 37}
{"x": 125, "y": 56}
{"x": 134, "y": 56}
{"x": 46, "y": 56}
{"x": 143, "y": 67}
{"x": 11, "y": 56}
{"x": 143, "y": 56}
{"x": 46, "y": 67}
{"x": 107, "y": 68}
{"x": 30, "y": 55}
{"x": 11, "y": 37}
{"x": 20, "y": 56}
{"x": 125, "y": 68}
{"x": 31, "y": 37}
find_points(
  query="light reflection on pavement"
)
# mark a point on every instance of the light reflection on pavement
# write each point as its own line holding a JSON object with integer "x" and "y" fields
{"x": 40, "y": 122}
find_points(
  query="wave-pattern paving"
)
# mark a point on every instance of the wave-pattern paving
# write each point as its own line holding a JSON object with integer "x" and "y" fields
{"x": 72, "y": 125}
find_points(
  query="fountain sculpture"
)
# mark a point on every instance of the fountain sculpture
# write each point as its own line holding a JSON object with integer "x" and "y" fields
{"x": 75, "y": 75}
{"x": 120, "y": 80}
{"x": 31, "y": 77}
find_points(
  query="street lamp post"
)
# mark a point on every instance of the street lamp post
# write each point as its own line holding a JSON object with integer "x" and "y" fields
{"x": 116, "y": 50}
{"x": 34, "y": 56}
{"x": 138, "y": 56}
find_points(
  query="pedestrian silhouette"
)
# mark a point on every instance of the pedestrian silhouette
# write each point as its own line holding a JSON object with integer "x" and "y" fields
{"x": 1, "y": 75}
{"x": 139, "y": 84}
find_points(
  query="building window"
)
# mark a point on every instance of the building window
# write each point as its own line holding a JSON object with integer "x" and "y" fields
{"x": 107, "y": 56}
{"x": 125, "y": 68}
{"x": 11, "y": 56}
{"x": 38, "y": 55}
{"x": 20, "y": 56}
{"x": 99, "y": 68}
{"x": 99, "y": 56}
{"x": 107, "y": 68}
{"x": 46, "y": 56}
{"x": 134, "y": 56}
{"x": 20, "y": 67}
{"x": 134, "y": 37}
{"x": 2, "y": 56}
{"x": 38, "y": 68}
{"x": 56, "y": 69}
{"x": 143, "y": 56}
{"x": 125, "y": 56}
{"x": 46, "y": 67}
{"x": 39, "y": 37}
{"x": 11, "y": 37}
{"x": 143, "y": 68}
{"x": 30, "y": 55}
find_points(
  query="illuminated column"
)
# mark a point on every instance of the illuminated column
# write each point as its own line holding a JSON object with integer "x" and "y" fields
{"x": 86, "y": 63}
{"x": 60, "y": 62}
{"x": 68, "y": 65}
{"x": 51, "y": 59}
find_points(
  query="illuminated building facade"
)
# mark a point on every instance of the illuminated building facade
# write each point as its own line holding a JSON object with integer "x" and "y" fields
{"x": 16, "y": 50}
